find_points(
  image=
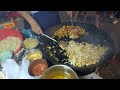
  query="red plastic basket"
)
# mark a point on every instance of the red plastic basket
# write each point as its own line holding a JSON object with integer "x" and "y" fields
{"x": 10, "y": 32}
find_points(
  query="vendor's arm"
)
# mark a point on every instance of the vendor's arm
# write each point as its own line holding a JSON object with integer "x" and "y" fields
{"x": 35, "y": 26}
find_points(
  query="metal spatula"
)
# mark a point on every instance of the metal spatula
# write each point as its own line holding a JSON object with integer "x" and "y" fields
{"x": 71, "y": 20}
{"x": 70, "y": 16}
{"x": 49, "y": 37}
{"x": 59, "y": 43}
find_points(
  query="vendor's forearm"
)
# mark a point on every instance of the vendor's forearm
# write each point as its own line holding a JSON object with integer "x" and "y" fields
{"x": 27, "y": 16}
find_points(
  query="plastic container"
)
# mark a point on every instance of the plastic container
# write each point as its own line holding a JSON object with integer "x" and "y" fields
{"x": 37, "y": 67}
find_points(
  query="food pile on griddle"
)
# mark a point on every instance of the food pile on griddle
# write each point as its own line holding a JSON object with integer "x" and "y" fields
{"x": 75, "y": 53}
{"x": 70, "y": 31}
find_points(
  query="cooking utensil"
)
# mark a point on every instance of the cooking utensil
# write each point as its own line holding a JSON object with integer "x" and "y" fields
{"x": 49, "y": 37}
{"x": 60, "y": 44}
{"x": 94, "y": 37}
{"x": 71, "y": 21}
{"x": 70, "y": 16}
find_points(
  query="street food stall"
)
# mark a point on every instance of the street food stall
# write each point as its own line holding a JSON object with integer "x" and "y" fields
{"x": 64, "y": 52}
{"x": 82, "y": 51}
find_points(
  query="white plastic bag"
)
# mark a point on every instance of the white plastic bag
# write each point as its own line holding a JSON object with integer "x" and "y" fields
{"x": 10, "y": 68}
{"x": 23, "y": 72}
{"x": 15, "y": 71}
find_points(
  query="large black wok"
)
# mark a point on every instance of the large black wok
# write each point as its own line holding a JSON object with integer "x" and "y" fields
{"x": 94, "y": 36}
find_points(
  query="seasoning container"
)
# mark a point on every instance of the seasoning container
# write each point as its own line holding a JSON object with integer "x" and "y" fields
{"x": 37, "y": 67}
{"x": 59, "y": 72}
{"x": 34, "y": 54}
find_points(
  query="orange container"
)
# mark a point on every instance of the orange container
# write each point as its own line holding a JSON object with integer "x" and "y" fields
{"x": 37, "y": 67}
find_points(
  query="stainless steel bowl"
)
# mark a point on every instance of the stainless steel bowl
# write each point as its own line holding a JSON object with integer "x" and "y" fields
{"x": 59, "y": 72}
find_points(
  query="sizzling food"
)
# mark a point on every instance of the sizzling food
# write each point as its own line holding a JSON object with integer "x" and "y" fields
{"x": 69, "y": 31}
{"x": 83, "y": 54}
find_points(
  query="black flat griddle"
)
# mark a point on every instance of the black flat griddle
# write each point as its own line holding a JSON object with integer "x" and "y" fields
{"x": 94, "y": 36}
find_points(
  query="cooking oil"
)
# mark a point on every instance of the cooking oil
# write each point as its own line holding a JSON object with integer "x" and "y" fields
{"x": 60, "y": 75}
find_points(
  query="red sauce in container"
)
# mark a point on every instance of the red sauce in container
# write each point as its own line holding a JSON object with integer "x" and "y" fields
{"x": 37, "y": 67}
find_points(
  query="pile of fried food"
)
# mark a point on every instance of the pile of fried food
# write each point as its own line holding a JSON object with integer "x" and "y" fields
{"x": 79, "y": 54}
{"x": 83, "y": 54}
{"x": 70, "y": 31}
{"x": 10, "y": 43}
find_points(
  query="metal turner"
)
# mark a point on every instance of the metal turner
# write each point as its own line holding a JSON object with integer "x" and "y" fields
{"x": 59, "y": 43}
{"x": 49, "y": 37}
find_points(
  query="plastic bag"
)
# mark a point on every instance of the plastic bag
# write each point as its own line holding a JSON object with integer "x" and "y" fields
{"x": 15, "y": 71}
{"x": 10, "y": 68}
{"x": 27, "y": 33}
{"x": 23, "y": 72}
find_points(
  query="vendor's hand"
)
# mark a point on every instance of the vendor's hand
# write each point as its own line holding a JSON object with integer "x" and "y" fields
{"x": 36, "y": 29}
{"x": 69, "y": 13}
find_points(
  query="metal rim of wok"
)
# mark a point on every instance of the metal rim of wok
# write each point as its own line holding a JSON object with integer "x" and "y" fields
{"x": 95, "y": 36}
